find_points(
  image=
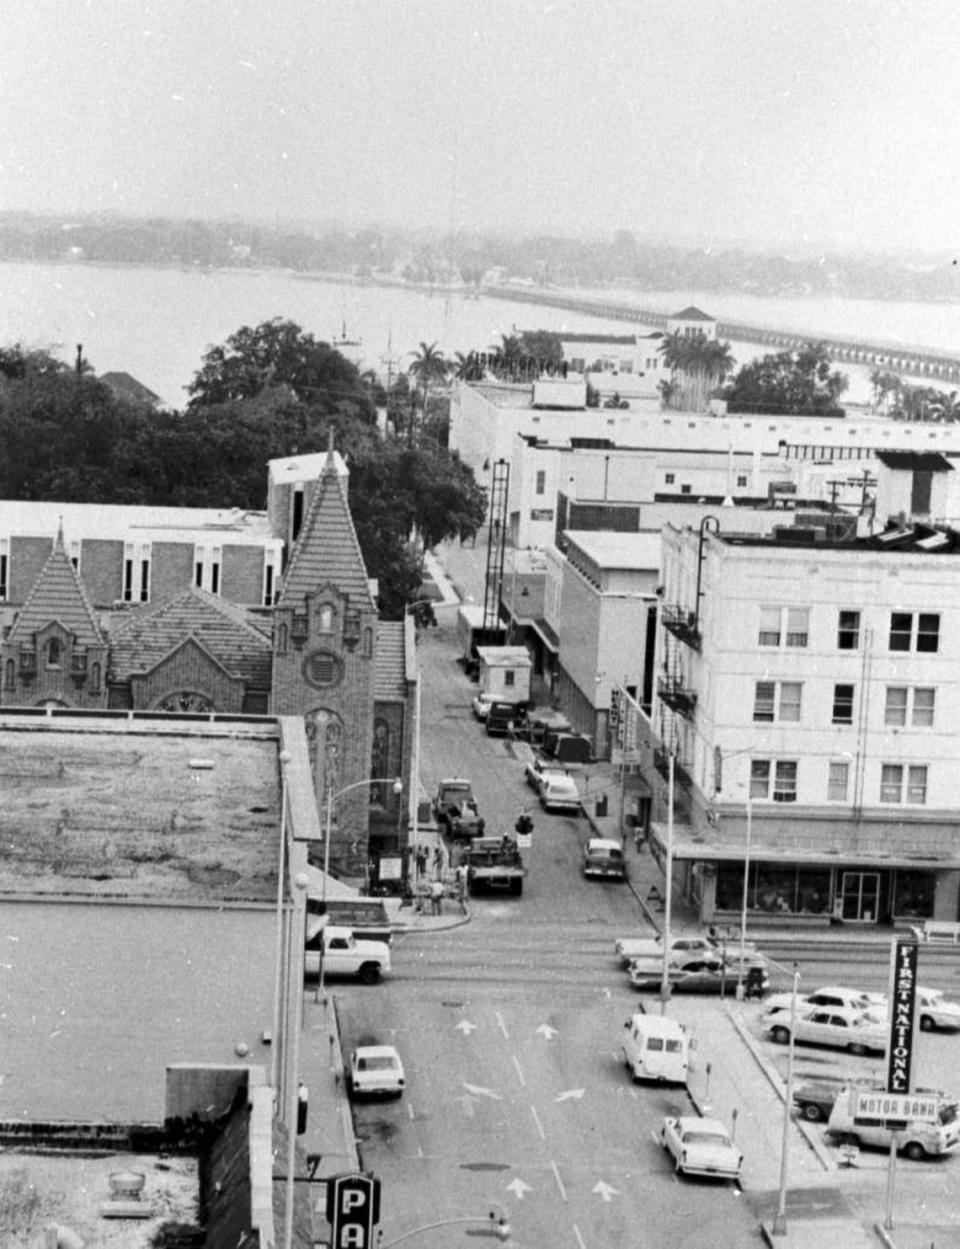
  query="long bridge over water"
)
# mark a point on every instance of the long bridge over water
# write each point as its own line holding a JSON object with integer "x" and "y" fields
{"x": 925, "y": 362}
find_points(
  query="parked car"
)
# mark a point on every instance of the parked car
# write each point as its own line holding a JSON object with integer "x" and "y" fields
{"x": 536, "y": 771}
{"x": 860, "y": 1032}
{"x": 629, "y": 948}
{"x": 695, "y": 974}
{"x": 481, "y": 705}
{"x": 603, "y": 859}
{"x": 833, "y": 995}
{"x": 656, "y": 1047}
{"x": 935, "y": 1012}
{"x": 375, "y": 1069}
{"x": 559, "y": 793}
{"x": 701, "y": 1147}
{"x": 815, "y": 1099}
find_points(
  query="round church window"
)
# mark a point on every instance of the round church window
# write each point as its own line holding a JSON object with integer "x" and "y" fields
{"x": 323, "y": 669}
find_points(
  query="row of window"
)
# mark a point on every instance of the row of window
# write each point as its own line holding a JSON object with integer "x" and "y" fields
{"x": 775, "y": 780}
{"x": 789, "y": 627}
{"x": 905, "y": 705}
{"x": 670, "y": 479}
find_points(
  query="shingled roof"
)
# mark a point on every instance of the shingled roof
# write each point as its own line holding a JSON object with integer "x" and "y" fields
{"x": 390, "y": 677}
{"x": 691, "y": 313}
{"x": 58, "y": 595}
{"x": 223, "y": 629}
{"x": 327, "y": 548}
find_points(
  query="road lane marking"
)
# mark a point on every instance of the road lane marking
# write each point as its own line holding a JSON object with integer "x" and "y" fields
{"x": 502, "y": 1024}
{"x": 479, "y": 1091}
{"x": 466, "y": 1027}
{"x": 547, "y": 1032}
{"x": 536, "y": 1119}
{"x": 567, "y": 1094}
{"x": 519, "y": 1070}
{"x": 556, "y": 1176}
{"x": 580, "y": 1241}
{"x": 606, "y": 1191}
{"x": 519, "y": 1187}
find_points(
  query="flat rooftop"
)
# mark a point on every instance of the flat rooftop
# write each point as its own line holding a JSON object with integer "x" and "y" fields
{"x": 112, "y": 521}
{"x": 150, "y": 808}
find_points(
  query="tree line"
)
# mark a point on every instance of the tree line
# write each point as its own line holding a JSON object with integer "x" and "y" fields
{"x": 268, "y": 392}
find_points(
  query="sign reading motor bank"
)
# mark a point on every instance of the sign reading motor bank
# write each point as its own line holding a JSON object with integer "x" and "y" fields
{"x": 872, "y": 1106}
{"x": 903, "y": 993}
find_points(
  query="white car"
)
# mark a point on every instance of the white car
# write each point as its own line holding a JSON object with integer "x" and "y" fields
{"x": 860, "y": 1032}
{"x": 831, "y": 995}
{"x": 701, "y": 1147}
{"x": 481, "y": 705}
{"x": 375, "y": 1069}
{"x": 629, "y": 948}
{"x": 935, "y": 1012}
{"x": 559, "y": 793}
{"x": 536, "y": 773}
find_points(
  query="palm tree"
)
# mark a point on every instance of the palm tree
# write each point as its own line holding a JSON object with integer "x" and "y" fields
{"x": 428, "y": 366}
{"x": 702, "y": 362}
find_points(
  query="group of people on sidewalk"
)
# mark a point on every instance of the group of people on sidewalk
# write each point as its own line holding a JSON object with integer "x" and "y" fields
{"x": 434, "y": 889}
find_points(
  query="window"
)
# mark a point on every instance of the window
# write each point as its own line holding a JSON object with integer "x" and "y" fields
{"x": 669, "y": 478}
{"x": 909, "y": 706}
{"x": 325, "y": 619}
{"x": 685, "y": 489}
{"x": 843, "y": 704}
{"x": 207, "y": 568}
{"x": 893, "y": 777}
{"x": 136, "y": 572}
{"x": 789, "y": 623}
{"x": 742, "y": 480}
{"x": 777, "y": 700}
{"x": 509, "y": 678}
{"x": 838, "y": 778}
{"x": 541, "y": 482}
{"x": 784, "y": 775}
{"x": 271, "y": 575}
{"x": 927, "y": 636}
{"x": 53, "y": 653}
{"x": 848, "y": 631}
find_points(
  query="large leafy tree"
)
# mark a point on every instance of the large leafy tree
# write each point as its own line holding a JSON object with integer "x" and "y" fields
{"x": 792, "y": 382}
{"x": 279, "y": 354}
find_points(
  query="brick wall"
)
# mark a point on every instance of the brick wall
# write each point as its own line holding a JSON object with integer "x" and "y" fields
{"x": 188, "y": 668}
{"x": 241, "y": 578}
{"x": 27, "y": 557}
{"x": 101, "y": 570}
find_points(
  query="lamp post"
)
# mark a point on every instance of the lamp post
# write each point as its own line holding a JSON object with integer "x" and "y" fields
{"x": 496, "y": 1225}
{"x": 743, "y": 906}
{"x": 780, "y": 1221}
{"x": 668, "y": 890}
{"x": 293, "y": 1025}
{"x": 327, "y": 836}
{"x": 285, "y": 758}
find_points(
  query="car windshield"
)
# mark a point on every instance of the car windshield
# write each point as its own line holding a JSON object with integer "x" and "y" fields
{"x": 697, "y": 1136}
{"x": 379, "y": 1062}
{"x": 948, "y": 1113}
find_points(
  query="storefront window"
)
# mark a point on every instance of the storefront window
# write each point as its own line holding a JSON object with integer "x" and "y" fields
{"x": 774, "y": 889}
{"x": 913, "y": 894}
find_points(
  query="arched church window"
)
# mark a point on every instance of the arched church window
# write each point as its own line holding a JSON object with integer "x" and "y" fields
{"x": 53, "y": 653}
{"x": 281, "y": 639}
{"x": 10, "y": 679}
{"x": 380, "y": 761}
{"x": 325, "y": 619}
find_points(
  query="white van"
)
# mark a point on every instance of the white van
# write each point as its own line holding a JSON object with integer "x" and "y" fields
{"x": 656, "y": 1048}
{"x": 918, "y": 1138}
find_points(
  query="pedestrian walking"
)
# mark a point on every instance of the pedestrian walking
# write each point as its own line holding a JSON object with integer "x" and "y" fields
{"x": 462, "y": 881}
{"x": 436, "y": 897}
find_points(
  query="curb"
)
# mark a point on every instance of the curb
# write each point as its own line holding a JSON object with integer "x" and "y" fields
{"x": 343, "y": 1101}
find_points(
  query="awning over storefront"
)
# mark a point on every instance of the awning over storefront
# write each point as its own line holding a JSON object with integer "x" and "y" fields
{"x": 902, "y": 848}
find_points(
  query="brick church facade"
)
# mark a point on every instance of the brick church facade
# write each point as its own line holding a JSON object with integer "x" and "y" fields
{"x": 316, "y": 648}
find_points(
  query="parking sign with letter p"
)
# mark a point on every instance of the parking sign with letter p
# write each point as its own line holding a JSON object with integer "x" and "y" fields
{"x": 353, "y": 1210}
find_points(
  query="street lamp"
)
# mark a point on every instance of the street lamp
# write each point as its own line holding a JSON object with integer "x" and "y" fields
{"x": 285, "y": 758}
{"x": 327, "y": 836}
{"x": 743, "y": 906}
{"x": 780, "y": 1221}
{"x": 294, "y": 1019}
{"x": 667, "y": 889}
{"x": 494, "y": 1225}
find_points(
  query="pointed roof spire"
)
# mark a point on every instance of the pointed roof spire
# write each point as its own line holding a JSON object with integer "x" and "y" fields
{"x": 327, "y": 548}
{"x": 58, "y": 594}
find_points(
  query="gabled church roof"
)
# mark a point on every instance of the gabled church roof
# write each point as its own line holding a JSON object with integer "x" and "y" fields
{"x": 58, "y": 595}
{"x": 327, "y": 548}
{"x": 691, "y": 313}
{"x": 221, "y": 628}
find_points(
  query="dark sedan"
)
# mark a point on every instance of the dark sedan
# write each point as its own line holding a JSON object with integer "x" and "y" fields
{"x": 700, "y": 975}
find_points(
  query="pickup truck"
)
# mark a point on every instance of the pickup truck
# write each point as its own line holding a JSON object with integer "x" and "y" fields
{"x": 455, "y": 808}
{"x": 494, "y": 863}
{"x": 629, "y": 948}
{"x": 342, "y": 954}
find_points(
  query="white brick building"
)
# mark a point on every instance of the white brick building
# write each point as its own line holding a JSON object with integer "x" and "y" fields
{"x": 809, "y": 692}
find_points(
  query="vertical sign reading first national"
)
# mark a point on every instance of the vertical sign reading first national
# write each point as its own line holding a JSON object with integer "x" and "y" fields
{"x": 903, "y": 993}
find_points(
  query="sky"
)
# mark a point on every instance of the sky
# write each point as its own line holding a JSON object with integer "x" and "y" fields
{"x": 810, "y": 121}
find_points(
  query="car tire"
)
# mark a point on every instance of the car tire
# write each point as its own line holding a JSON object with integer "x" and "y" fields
{"x": 914, "y": 1151}
{"x": 370, "y": 973}
{"x": 812, "y": 1112}
{"x": 927, "y": 1024}
{"x": 780, "y": 1035}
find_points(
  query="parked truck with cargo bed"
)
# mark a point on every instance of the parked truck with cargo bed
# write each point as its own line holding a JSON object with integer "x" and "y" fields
{"x": 494, "y": 863}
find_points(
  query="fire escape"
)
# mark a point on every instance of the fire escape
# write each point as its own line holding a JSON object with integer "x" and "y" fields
{"x": 496, "y": 542}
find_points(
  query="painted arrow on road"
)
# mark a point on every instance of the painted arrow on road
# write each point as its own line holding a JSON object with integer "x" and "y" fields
{"x": 568, "y": 1094}
{"x": 466, "y": 1027}
{"x": 605, "y": 1190}
{"x": 518, "y": 1188}
{"x": 478, "y": 1091}
{"x": 547, "y": 1032}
